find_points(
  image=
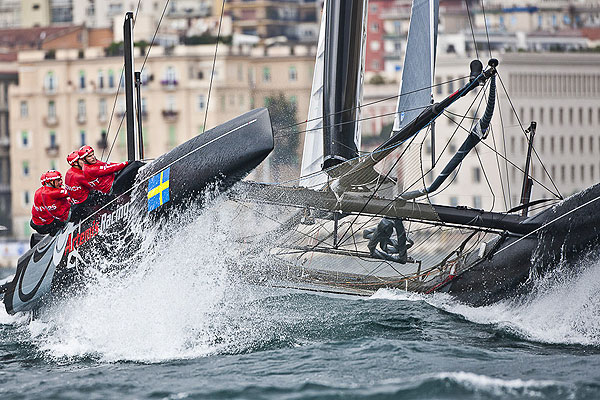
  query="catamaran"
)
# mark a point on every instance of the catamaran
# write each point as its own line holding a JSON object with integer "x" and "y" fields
{"x": 334, "y": 226}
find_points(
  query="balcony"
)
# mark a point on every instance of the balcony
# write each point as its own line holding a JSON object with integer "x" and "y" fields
{"x": 50, "y": 90}
{"x": 170, "y": 115}
{"x": 50, "y": 121}
{"x": 169, "y": 84}
{"x": 81, "y": 119}
{"x": 52, "y": 151}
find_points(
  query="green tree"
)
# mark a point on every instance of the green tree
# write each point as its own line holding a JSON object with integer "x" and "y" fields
{"x": 285, "y": 158}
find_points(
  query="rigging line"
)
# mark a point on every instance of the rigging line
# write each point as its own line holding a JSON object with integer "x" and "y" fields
{"x": 486, "y": 180}
{"x": 486, "y": 28}
{"x": 376, "y": 101}
{"x": 212, "y": 73}
{"x": 112, "y": 113}
{"x": 499, "y": 167}
{"x": 549, "y": 223}
{"x": 534, "y": 151}
{"x": 504, "y": 148}
{"x": 515, "y": 166}
{"x": 117, "y": 94}
{"x": 154, "y": 35}
{"x": 115, "y": 138}
{"x": 350, "y": 122}
{"x": 472, "y": 31}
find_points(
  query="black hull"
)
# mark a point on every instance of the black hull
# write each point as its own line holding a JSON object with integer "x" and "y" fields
{"x": 569, "y": 231}
{"x": 220, "y": 156}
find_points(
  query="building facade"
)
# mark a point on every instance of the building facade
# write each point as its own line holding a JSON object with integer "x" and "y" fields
{"x": 62, "y": 103}
{"x": 7, "y": 78}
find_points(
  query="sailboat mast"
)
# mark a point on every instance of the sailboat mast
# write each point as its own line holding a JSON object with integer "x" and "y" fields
{"x": 133, "y": 152}
{"x": 343, "y": 51}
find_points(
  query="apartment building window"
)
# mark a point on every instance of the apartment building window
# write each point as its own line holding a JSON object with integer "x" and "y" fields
{"x": 172, "y": 136}
{"x": 144, "y": 105}
{"x": 572, "y": 173}
{"x": 476, "y": 201}
{"x": 512, "y": 145}
{"x": 24, "y": 109}
{"x": 375, "y": 27}
{"x": 582, "y": 173}
{"x": 222, "y": 102}
{"x": 240, "y": 72}
{"x": 267, "y": 101}
{"x": 541, "y": 115}
{"x": 551, "y": 115}
{"x": 438, "y": 86}
{"x": 201, "y": 102}
{"x": 82, "y": 79}
{"x": 571, "y": 144}
{"x": 543, "y": 144}
{"x": 581, "y": 140}
{"x": 102, "y": 107}
{"x": 552, "y": 145}
{"x": 522, "y": 145}
{"x": 563, "y": 173}
{"x": 562, "y": 145}
{"x": 266, "y": 74}
{"x": 80, "y": 108}
{"x": 580, "y": 116}
{"x": 294, "y": 100}
{"x": 293, "y": 74}
{"x": 560, "y": 115}
{"x": 241, "y": 100}
{"x": 145, "y": 76}
{"x": 570, "y": 116}
{"x": 25, "y": 139}
{"x": 170, "y": 76}
{"x": 553, "y": 171}
{"x": 232, "y": 100}
{"x": 82, "y": 140}
{"x": 25, "y": 168}
{"x": 476, "y": 175}
{"x": 50, "y": 82}
{"x": 590, "y": 116}
{"x": 531, "y": 114}
{"x": 52, "y": 139}
{"x": 111, "y": 78}
{"x": 100, "y": 80}
{"x": 51, "y": 109}
{"x": 592, "y": 172}
{"x": 171, "y": 103}
{"x": 591, "y": 144}
{"x": 450, "y": 85}
{"x": 26, "y": 198}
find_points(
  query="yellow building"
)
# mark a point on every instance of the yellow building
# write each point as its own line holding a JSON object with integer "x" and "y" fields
{"x": 62, "y": 103}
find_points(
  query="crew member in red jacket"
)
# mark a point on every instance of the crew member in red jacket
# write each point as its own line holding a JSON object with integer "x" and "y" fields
{"x": 100, "y": 175}
{"x": 55, "y": 197}
{"x": 78, "y": 188}
{"x": 42, "y": 220}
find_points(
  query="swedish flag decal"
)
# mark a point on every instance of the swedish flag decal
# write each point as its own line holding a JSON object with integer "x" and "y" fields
{"x": 158, "y": 190}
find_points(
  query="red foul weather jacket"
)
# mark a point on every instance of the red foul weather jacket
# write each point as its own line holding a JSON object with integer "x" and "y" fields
{"x": 77, "y": 185}
{"x": 101, "y": 175}
{"x": 57, "y": 202}
{"x": 39, "y": 212}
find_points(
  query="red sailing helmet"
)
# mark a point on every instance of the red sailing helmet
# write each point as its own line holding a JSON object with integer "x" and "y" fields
{"x": 85, "y": 150}
{"x": 52, "y": 176}
{"x": 73, "y": 157}
{"x": 43, "y": 178}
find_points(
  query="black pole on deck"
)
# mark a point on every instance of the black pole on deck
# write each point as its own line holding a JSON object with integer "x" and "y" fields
{"x": 129, "y": 100}
{"x": 527, "y": 181}
{"x": 138, "y": 92}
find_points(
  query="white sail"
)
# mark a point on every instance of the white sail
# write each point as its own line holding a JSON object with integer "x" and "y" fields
{"x": 312, "y": 155}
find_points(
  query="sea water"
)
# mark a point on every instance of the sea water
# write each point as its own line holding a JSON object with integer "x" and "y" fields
{"x": 179, "y": 324}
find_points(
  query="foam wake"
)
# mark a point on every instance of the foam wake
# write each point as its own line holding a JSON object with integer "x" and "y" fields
{"x": 563, "y": 308}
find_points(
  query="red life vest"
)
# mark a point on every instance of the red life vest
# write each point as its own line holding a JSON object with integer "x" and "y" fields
{"x": 100, "y": 175}
{"x": 77, "y": 185}
{"x": 57, "y": 202}
{"x": 39, "y": 212}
